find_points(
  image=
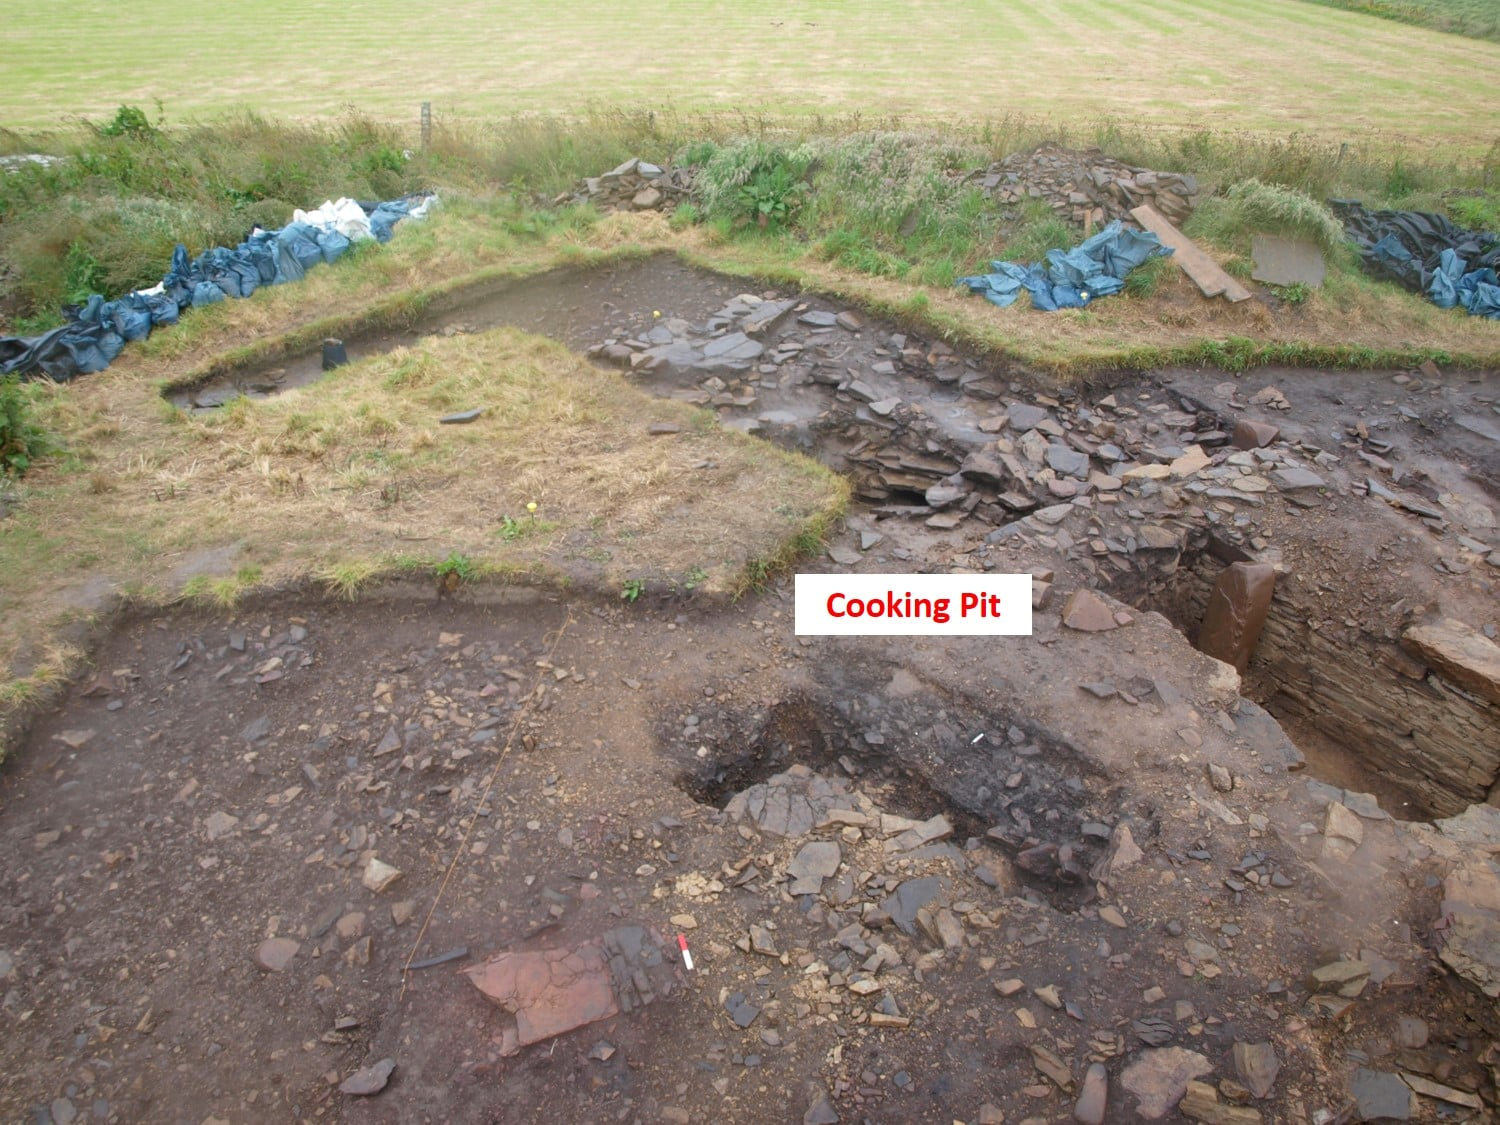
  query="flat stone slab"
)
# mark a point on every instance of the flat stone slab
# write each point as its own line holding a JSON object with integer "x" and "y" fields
{"x": 811, "y": 865}
{"x": 275, "y": 954}
{"x": 1461, "y": 654}
{"x": 908, "y": 898}
{"x": 378, "y": 876}
{"x": 1250, "y": 434}
{"x": 369, "y": 1080}
{"x": 1159, "y": 1077}
{"x": 765, "y": 316}
{"x": 733, "y": 347}
{"x": 1470, "y": 930}
{"x": 1087, "y": 612}
{"x": 552, "y": 991}
{"x": 1236, "y": 612}
{"x": 1287, "y": 261}
{"x": 1192, "y": 459}
{"x": 679, "y": 353}
{"x": 794, "y": 802}
{"x": 1024, "y": 417}
{"x": 1293, "y": 479}
{"x": 1257, "y": 1066}
{"x": 1380, "y": 1096}
{"x": 1069, "y": 462}
{"x": 1054, "y": 513}
{"x": 986, "y": 468}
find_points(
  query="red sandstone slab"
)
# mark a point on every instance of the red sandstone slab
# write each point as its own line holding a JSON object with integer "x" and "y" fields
{"x": 1461, "y": 654}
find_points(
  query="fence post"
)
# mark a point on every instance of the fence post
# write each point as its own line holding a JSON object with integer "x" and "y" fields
{"x": 426, "y": 125}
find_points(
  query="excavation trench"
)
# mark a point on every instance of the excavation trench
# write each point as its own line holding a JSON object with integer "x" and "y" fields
{"x": 954, "y": 464}
{"x": 998, "y": 782}
{"x": 1364, "y": 712}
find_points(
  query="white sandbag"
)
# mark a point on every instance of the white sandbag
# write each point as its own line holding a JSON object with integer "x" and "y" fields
{"x": 421, "y": 209}
{"x": 345, "y": 216}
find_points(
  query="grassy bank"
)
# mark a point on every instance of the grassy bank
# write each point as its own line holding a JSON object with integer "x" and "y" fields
{"x": 890, "y": 201}
{"x": 896, "y": 207}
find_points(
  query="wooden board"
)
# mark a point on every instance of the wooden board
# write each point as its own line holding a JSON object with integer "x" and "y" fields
{"x": 1204, "y": 271}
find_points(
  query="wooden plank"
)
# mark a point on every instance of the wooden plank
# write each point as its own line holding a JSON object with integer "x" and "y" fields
{"x": 1204, "y": 271}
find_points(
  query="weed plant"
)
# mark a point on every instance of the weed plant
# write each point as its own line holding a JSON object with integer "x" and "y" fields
{"x": 22, "y": 439}
{"x": 1230, "y": 219}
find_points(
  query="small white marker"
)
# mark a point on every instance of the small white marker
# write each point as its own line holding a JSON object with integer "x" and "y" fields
{"x": 976, "y": 738}
{"x": 687, "y": 957}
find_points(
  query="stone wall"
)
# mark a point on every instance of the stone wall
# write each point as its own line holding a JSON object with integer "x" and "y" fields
{"x": 1415, "y": 727}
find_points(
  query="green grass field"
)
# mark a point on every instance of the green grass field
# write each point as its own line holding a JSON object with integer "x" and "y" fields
{"x": 1267, "y": 65}
{"x": 1477, "y": 18}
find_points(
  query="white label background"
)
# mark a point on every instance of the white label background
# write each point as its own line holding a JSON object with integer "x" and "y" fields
{"x": 813, "y": 592}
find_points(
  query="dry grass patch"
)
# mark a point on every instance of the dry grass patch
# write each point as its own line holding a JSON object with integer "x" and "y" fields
{"x": 354, "y": 477}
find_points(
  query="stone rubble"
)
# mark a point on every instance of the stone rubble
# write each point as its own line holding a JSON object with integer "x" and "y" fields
{"x": 1087, "y": 187}
{"x": 1159, "y": 1077}
{"x": 370, "y": 1079}
{"x": 1125, "y": 492}
{"x": 636, "y": 185}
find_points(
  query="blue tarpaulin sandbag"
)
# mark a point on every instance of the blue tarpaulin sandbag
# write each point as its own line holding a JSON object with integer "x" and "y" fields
{"x": 260, "y": 251}
{"x": 92, "y": 347}
{"x": 97, "y": 332}
{"x": 163, "y": 307}
{"x": 88, "y": 338}
{"x": 61, "y": 353}
{"x": 1071, "y": 279}
{"x": 1453, "y": 283}
{"x": 288, "y": 267}
{"x": 95, "y": 324}
{"x": 1426, "y": 253}
{"x": 1004, "y": 285}
{"x": 131, "y": 317}
{"x": 1390, "y": 253}
{"x": 332, "y": 244}
{"x": 1443, "y": 288}
{"x": 206, "y": 293}
{"x": 302, "y": 241}
{"x": 229, "y": 270}
{"x": 1486, "y": 299}
{"x": 44, "y": 353}
{"x": 384, "y": 218}
{"x": 179, "y": 279}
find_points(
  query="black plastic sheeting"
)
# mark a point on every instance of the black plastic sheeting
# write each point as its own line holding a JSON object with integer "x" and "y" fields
{"x": 98, "y": 331}
{"x": 1428, "y": 254}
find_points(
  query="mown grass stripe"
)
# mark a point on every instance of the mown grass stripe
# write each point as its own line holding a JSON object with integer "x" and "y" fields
{"x": 1271, "y": 65}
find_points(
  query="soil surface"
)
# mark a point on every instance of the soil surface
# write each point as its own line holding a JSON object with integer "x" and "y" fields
{"x": 851, "y": 393}
{"x": 921, "y": 879}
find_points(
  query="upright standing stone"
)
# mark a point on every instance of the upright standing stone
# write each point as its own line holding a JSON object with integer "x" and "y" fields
{"x": 1236, "y": 613}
